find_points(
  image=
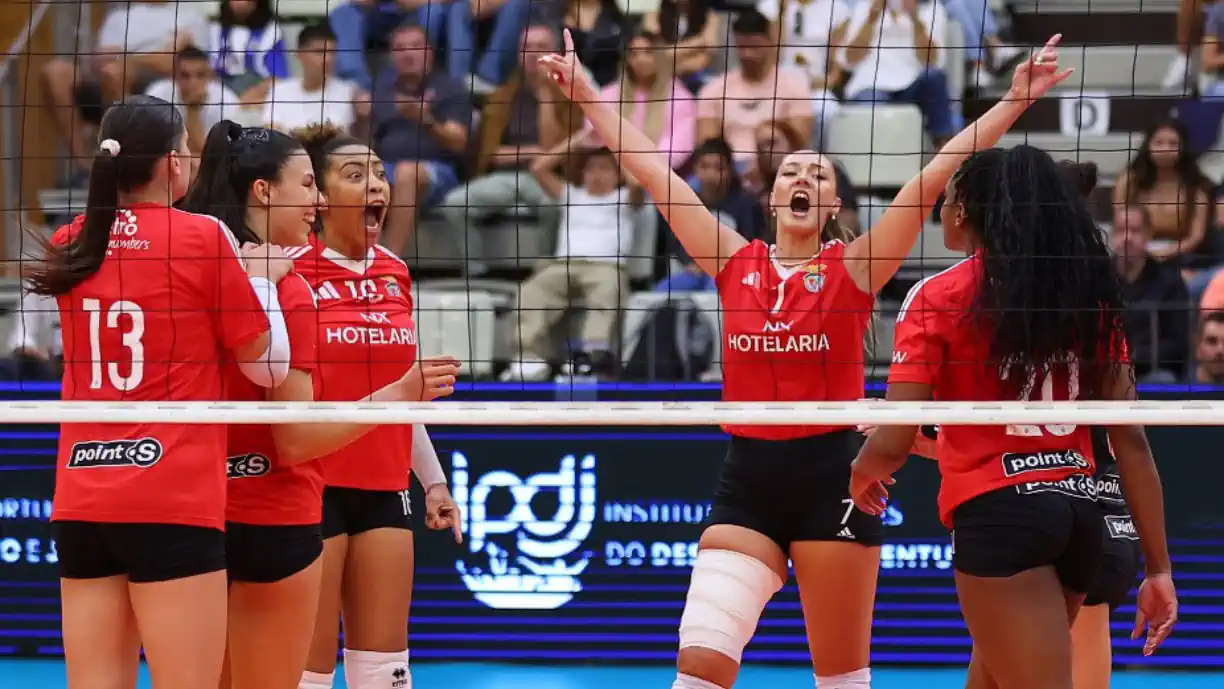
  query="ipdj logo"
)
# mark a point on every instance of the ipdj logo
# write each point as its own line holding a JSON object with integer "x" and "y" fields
{"x": 530, "y": 560}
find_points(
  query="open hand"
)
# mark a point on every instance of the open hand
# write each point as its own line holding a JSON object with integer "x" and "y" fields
{"x": 1038, "y": 74}
{"x": 1155, "y": 610}
{"x": 431, "y": 378}
{"x": 870, "y": 494}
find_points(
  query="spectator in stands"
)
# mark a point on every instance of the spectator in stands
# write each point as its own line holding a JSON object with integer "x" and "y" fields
{"x": 1211, "y": 58}
{"x": 248, "y": 49}
{"x": 985, "y": 53}
{"x": 195, "y": 89}
{"x": 457, "y": 23}
{"x": 135, "y": 47}
{"x": 649, "y": 96}
{"x": 318, "y": 95}
{"x": 520, "y": 120}
{"x": 1165, "y": 179}
{"x": 1157, "y": 315}
{"x": 420, "y": 123}
{"x": 35, "y": 347}
{"x": 1180, "y": 76}
{"x": 594, "y": 238}
{"x": 731, "y": 105}
{"x": 719, "y": 188}
{"x": 1209, "y": 350}
{"x": 774, "y": 141}
{"x": 690, "y": 28}
{"x": 895, "y": 54}
{"x": 806, "y": 29}
{"x": 598, "y": 28}
{"x": 359, "y": 23}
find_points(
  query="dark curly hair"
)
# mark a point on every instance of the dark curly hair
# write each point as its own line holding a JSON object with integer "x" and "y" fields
{"x": 1083, "y": 176}
{"x": 1048, "y": 291}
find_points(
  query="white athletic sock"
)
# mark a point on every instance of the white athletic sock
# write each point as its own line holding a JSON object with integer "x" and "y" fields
{"x": 373, "y": 670}
{"x": 317, "y": 680}
{"x": 858, "y": 679}
{"x": 684, "y": 681}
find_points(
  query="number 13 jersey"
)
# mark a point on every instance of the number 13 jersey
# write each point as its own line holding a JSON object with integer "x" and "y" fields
{"x": 155, "y": 323}
{"x": 366, "y": 340}
{"x": 937, "y": 346}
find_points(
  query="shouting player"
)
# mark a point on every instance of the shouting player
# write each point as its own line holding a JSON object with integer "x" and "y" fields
{"x": 796, "y": 315}
{"x": 152, "y": 301}
{"x": 367, "y": 339}
{"x": 261, "y": 183}
{"x": 1033, "y": 313}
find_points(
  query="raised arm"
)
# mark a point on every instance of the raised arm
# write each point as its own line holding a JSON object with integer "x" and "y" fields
{"x": 875, "y": 256}
{"x": 703, "y": 237}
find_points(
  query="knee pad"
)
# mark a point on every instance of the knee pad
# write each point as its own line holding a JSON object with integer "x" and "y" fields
{"x": 316, "y": 680}
{"x": 858, "y": 679}
{"x": 373, "y": 670}
{"x": 725, "y": 599}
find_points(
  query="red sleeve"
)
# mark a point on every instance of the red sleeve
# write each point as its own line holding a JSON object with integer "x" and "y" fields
{"x": 741, "y": 263}
{"x": 918, "y": 351}
{"x": 301, "y": 320}
{"x": 239, "y": 317}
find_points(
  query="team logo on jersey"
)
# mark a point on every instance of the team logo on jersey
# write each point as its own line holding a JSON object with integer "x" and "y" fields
{"x": 92, "y": 454}
{"x": 392, "y": 286}
{"x": 1109, "y": 490}
{"x": 247, "y": 466}
{"x": 1017, "y": 463}
{"x": 814, "y": 277}
{"x": 531, "y": 563}
{"x": 1121, "y": 528}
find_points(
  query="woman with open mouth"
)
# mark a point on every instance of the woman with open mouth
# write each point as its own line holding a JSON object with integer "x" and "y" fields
{"x": 367, "y": 340}
{"x": 795, "y": 318}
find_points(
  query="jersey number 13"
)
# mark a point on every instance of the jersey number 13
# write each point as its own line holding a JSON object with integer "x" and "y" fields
{"x": 128, "y": 318}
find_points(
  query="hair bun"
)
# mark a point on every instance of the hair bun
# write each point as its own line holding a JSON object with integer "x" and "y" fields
{"x": 111, "y": 147}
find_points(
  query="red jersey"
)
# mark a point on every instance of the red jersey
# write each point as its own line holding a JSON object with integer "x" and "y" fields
{"x": 791, "y": 335}
{"x": 366, "y": 340}
{"x": 936, "y": 347}
{"x": 260, "y": 490}
{"x": 153, "y": 324}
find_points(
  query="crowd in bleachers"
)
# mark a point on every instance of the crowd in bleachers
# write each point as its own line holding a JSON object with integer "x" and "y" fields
{"x": 476, "y": 140}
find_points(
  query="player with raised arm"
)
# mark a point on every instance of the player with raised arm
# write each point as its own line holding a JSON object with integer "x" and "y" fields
{"x": 260, "y": 182}
{"x": 795, "y": 318}
{"x": 1033, "y": 313}
{"x": 367, "y": 339}
{"x": 153, "y": 300}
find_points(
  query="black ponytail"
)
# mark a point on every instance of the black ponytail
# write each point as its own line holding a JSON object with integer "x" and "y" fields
{"x": 233, "y": 159}
{"x": 134, "y": 137}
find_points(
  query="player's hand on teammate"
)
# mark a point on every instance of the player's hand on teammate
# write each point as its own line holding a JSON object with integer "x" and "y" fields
{"x": 1155, "y": 611}
{"x": 1038, "y": 74}
{"x": 568, "y": 73}
{"x": 266, "y": 261}
{"x": 441, "y": 512}
{"x": 923, "y": 446}
{"x": 431, "y": 378}
{"x": 868, "y": 491}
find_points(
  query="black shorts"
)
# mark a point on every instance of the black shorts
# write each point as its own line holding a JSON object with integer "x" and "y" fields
{"x": 1119, "y": 563}
{"x": 794, "y": 490}
{"x": 350, "y": 511}
{"x": 144, "y": 553}
{"x": 265, "y": 554}
{"x": 1014, "y": 529}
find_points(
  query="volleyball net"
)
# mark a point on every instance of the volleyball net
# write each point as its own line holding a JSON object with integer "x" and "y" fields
{"x": 501, "y": 265}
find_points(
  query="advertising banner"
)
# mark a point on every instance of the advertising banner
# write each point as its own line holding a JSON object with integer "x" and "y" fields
{"x": 578, "y": 544}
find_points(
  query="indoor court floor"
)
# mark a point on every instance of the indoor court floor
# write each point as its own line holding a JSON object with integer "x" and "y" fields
{"x": 44, "y": 674}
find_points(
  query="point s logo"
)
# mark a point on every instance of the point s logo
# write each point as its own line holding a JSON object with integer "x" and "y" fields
{"x": 520, "y": 560}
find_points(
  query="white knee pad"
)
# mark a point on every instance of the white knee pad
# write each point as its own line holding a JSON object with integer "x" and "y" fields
{"x": 858, "y": 679}
{"x": 684, "y": 681}
{"x": 725, "y": 599}
{"x": 373, "y": 670}
{"x": 317, "y": 680}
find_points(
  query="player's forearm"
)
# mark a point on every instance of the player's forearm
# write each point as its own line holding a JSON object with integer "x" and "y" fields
{"x": 1144, "y": 494}
{"x": 298, "y": 443}
{"x": 425, "y": 462}
{"x": 269, "y": 369}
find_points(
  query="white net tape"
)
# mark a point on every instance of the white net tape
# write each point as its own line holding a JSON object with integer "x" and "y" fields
{"x": 1165, "y": 413}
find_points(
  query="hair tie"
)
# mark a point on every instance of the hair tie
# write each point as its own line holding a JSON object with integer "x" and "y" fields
{"x": 111, "y": 147}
